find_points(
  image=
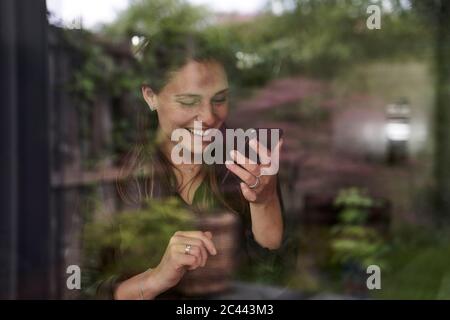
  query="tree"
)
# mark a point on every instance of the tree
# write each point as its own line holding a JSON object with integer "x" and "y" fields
{"x": 437, "y": 14}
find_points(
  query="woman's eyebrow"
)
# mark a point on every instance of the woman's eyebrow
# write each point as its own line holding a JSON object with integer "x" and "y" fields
{"x": 221, "y": 91}
{"x": 193, "y": 95}
{"x": 188, "y": 95}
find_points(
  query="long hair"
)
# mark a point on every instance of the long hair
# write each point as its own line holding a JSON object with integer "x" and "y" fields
{"x": 148, "y": 174}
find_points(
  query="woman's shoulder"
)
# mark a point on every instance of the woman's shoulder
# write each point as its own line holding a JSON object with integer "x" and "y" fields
{"x": 142, "y": 177}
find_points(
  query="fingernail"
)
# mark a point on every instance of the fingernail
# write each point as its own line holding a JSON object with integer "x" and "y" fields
{"x": 233, "y": 154}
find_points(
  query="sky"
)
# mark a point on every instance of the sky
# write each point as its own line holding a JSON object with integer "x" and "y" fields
{"x": 95, "y": 12}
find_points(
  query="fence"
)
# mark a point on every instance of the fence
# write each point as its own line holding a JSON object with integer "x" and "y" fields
{"x": 74, "y": 178}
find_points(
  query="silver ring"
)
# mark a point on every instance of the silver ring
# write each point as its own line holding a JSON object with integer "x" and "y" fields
{"x": 253, "y": 186}
{"x": 187, "y": 250}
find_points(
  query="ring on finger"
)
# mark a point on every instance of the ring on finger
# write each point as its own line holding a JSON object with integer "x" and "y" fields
{"x": 256, "y": 184}
{"x": 259, "y": 174}
{"x": 187, "y": 249}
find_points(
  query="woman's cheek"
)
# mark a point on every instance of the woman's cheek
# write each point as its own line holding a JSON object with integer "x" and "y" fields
{"x": 223, "y": 112}
{"x": 180, "y": 117}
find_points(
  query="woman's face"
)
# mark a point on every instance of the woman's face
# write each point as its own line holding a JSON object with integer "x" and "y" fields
{"x": 196, "y": 92}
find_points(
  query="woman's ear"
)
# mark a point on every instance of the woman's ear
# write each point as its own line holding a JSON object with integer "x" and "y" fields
{"x": 150, "y": 97}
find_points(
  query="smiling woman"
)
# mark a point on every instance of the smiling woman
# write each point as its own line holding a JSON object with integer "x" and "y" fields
{"x": 196, "y": 92}
{"x": 187, "y": 87}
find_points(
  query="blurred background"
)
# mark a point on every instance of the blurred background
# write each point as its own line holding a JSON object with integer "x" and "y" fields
{"x": 365, "y": 172}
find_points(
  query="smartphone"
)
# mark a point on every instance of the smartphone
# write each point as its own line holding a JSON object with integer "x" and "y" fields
{"x": 269, "y": 137}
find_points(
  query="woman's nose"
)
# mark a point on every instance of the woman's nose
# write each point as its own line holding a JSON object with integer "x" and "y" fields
{"x": 207, "y": 115}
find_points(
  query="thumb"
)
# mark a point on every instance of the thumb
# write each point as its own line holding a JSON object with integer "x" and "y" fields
{"x": 249, "y": 194}
{"x": 208, "y": 235}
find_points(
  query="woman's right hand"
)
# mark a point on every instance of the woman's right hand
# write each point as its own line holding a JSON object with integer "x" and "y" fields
{"x": 176, "y": 262}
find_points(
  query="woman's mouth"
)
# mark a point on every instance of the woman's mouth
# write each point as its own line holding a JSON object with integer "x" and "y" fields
{"x": 200, "y": 133}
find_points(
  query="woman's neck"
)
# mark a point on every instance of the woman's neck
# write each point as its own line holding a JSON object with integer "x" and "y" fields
{"x": 166, "y": 147}
{"x": 188, "y": 176}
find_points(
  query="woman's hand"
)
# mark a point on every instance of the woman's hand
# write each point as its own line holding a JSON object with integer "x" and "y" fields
{"x": 259, "y": 185}
{"x": 177, "y": 259}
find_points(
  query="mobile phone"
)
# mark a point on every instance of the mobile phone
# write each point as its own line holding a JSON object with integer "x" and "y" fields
{"x": 266, "y": 136}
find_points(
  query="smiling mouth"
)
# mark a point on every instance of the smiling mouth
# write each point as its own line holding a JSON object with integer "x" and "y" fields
{"x": 200, "y": 133}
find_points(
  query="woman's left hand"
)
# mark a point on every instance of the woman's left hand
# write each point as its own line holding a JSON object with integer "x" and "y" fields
{"x": 259, "y": 181}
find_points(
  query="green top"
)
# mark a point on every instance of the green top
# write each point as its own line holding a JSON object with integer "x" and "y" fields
{"x": 204, "y": 199}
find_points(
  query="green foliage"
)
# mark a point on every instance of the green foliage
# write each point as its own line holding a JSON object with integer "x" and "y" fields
{"x": 137, "y": 238}
{"x": 98, "y": 69}
{"x": 353, "y": 242}
{"x": 327, "y": 36}
{"x": 354, "y": 204}
{"x": 418, "y": 262}
{"x": 151, "y": 18}
{"x": 318, "y": 37}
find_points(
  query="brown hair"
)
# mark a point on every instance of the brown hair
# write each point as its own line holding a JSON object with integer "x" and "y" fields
{"x": 147, "y": 174}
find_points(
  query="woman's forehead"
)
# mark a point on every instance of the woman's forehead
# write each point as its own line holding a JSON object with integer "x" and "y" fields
{"x": 198, "y": 78}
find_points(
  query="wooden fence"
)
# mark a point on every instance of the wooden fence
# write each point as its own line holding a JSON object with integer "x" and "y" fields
{"x": 73, "y": 184}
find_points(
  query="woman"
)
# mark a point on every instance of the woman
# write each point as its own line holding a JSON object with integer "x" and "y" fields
{"x": 196, "y": 89}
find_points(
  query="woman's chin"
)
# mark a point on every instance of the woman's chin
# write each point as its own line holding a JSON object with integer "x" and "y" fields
{"x": 198, "y": 152}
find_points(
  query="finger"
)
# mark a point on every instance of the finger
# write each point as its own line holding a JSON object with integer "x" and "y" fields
{"x": 274, "y": 160}
{"x": 278, "y": 146}
{"x": 200, "y": 252}
{"x": 248, "y": 193}
{"x": 196, "y": 245}
{"x": 243, "y": 174}
{"x": 185, "y": 260}
{"x": 194, "y": 251}
{"x": 201, "y": 236}
{"x": 241, "y": 159}
{"x": 262, "y": 151}
{"x": 208, "y": 234}
{"x": 248, "y": 164}
{"x": 183, "y": 241}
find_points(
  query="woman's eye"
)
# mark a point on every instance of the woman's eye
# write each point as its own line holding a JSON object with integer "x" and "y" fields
{"x": 188, "y": 103}
{"x": 219, "y": 100}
